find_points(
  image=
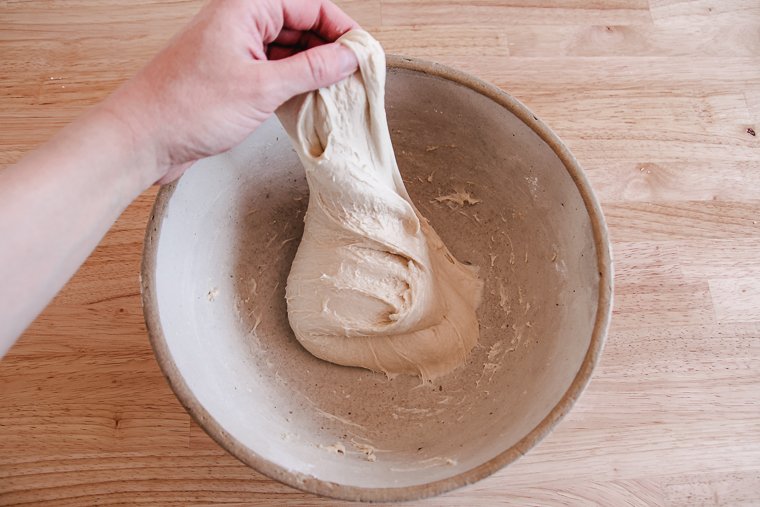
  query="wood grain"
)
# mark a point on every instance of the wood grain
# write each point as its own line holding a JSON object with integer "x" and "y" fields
{"x": 656, "y": 99}
{"x": 501, "y": 12}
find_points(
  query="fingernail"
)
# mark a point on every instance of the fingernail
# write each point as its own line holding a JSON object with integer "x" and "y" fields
{"x": 348, "y": 62}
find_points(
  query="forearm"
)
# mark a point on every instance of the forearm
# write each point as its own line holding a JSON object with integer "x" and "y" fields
{"x": 55, "y": 206}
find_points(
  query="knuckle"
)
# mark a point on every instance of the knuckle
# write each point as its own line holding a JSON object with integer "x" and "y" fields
{"x": 318, "y": 66}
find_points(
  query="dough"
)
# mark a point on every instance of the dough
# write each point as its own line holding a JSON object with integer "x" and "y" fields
{"x": 372, "y": 285}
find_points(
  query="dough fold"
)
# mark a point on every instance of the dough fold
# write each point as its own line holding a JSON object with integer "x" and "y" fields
{"x": 372, "y": 285}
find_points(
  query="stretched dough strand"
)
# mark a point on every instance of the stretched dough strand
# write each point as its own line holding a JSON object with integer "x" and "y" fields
{"x": 372, "y": 284}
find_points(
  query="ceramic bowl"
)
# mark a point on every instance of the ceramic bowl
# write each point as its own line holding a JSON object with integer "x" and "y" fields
{"x": 219, "y": 247}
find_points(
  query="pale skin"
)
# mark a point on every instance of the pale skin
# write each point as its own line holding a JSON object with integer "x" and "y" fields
{"x": 216, "y": 81}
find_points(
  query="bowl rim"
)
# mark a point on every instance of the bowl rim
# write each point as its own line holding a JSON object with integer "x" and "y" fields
{"x": 311, "y": 484}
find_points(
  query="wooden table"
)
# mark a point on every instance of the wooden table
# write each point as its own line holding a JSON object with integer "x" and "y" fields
{"x": 658, "y": 99}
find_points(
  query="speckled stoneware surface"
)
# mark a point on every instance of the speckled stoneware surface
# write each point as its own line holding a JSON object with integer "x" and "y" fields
{"x": 218, "y": 251}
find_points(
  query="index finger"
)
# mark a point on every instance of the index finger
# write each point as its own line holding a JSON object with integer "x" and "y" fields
{"x": 319, "y": 16}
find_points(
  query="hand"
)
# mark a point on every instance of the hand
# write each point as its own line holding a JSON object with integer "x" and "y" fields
{"x": 225, "y": 74}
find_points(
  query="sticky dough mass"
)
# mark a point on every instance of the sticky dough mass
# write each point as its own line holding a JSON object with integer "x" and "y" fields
{"x": 372, "y": 284}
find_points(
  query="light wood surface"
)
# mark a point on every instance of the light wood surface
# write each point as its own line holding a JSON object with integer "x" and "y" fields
{"x": 656, "y": 98}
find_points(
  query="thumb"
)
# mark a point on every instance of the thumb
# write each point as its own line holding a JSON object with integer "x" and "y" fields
{"x": 314, "y": 68}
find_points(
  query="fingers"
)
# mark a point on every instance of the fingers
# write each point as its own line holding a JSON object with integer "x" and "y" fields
{"x": 319, "y": 16}
{"x": 314, "y": 68}
{"x": 290, "y": 42}
{"x": 280, "y": 52}
{"x": 304, "y": 40}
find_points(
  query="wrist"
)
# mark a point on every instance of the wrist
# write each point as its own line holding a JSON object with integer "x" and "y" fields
{"x": 127, "y": 114}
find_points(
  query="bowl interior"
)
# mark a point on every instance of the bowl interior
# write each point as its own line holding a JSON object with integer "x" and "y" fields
{"x": 220, "y": 249}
